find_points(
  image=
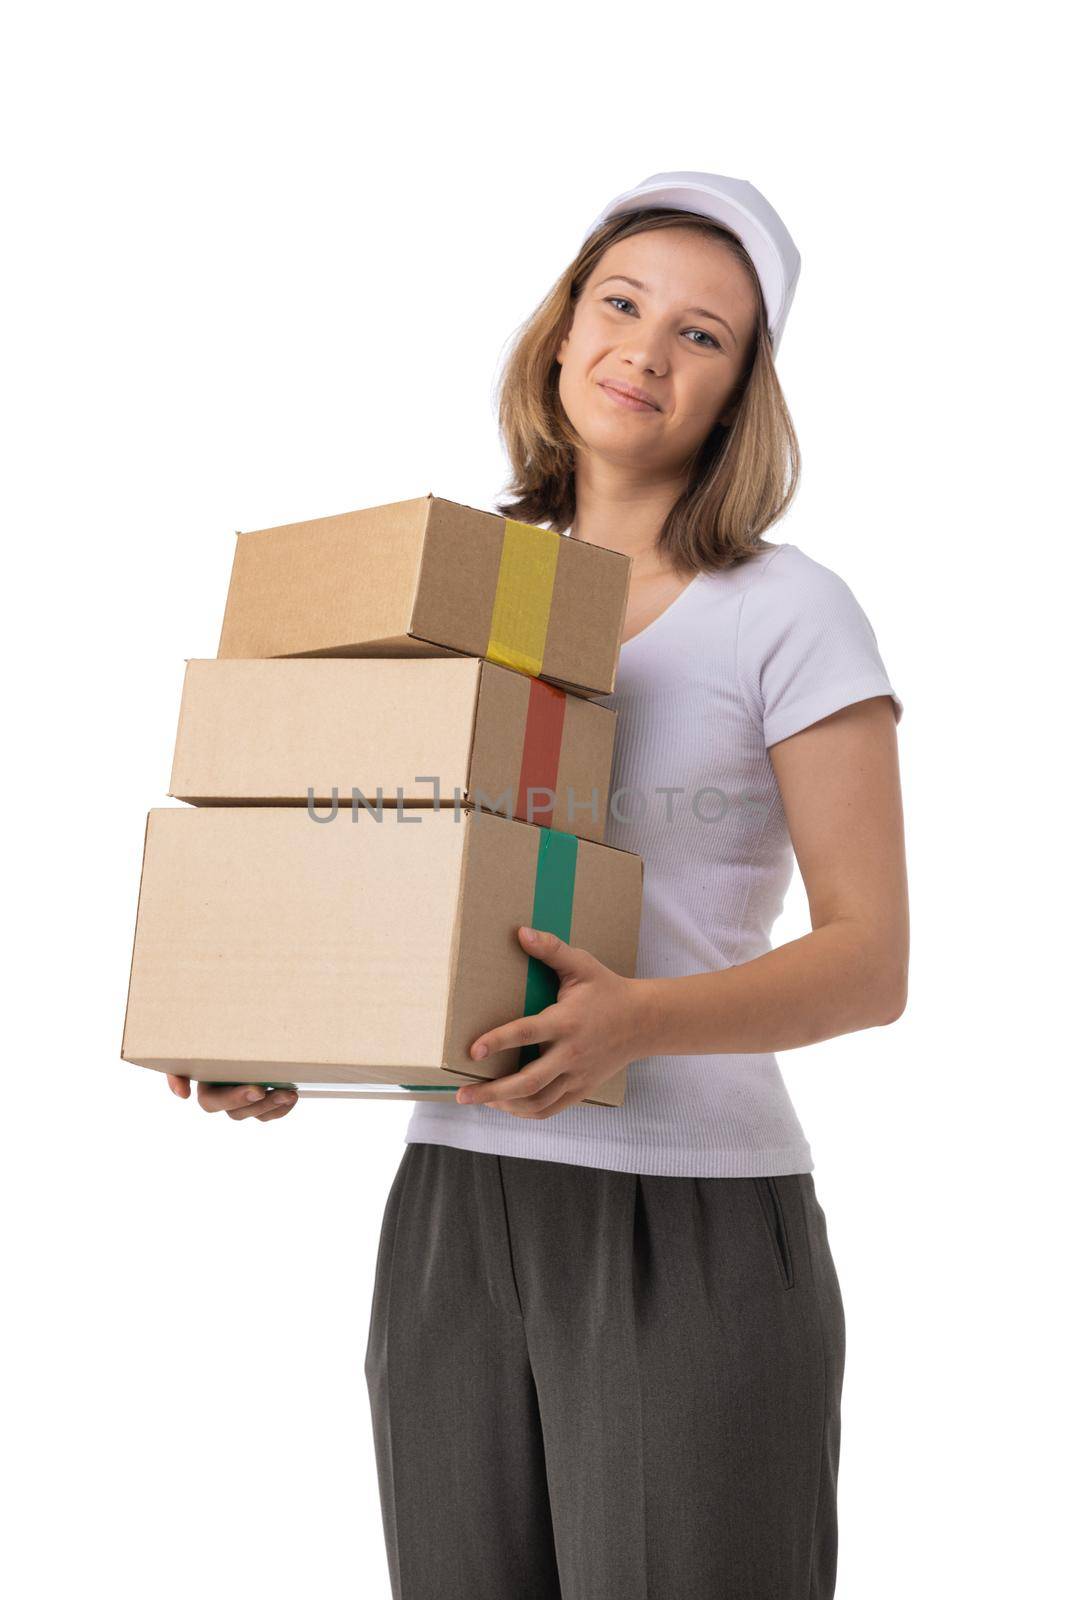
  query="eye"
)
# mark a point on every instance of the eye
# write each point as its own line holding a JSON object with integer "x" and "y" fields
{"x": 611, "y": 299}
{"x": 715, "y": 345}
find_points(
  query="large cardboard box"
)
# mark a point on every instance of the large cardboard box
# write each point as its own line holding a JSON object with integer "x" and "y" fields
{"x": 270, "y": 946}
{"x": 430, "y": 577}
{"x": 415, "y": 733}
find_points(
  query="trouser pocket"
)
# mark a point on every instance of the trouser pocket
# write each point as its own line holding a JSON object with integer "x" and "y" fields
{"x": 770, "y": 1200}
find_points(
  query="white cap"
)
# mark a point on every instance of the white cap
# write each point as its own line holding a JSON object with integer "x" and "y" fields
{"x": 737, "y": 205}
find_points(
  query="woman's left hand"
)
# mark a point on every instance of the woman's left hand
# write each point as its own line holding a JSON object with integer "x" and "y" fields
{"x": 593, "y": 1027}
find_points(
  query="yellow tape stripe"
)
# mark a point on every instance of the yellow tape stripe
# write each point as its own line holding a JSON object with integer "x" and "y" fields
{"x": 523, "y": 598}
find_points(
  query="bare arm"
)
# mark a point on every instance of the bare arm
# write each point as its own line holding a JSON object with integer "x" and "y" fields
{"x": 840, "y": 785}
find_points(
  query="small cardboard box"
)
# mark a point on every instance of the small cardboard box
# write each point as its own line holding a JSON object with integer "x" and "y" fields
{"x": 270, "y": 946}
{"x": 255, "y": 732}
{"x": 430, "y": 577}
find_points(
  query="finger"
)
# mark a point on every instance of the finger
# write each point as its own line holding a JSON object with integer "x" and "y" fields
{"x": 574, "y": 1098}
{"x": 540, "y": 1028}
{"x": 179, "y": 1085}
{"x": 569, "y": 960}
{"x": 273, "y": 1105}
{"x": 512, "y": 1086}
{"x": 229, "y": 1096}
{"x": 281, "y": 1110}
{"x": 542, "y": 1104}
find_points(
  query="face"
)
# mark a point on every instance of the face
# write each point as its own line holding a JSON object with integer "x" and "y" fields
{"x": 668, "y": 312}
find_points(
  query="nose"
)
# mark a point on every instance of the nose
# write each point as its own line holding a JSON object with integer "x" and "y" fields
{"x": 647, "y": 351}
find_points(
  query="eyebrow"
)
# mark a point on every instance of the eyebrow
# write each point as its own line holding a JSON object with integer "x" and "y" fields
{"x": 697, "y": 311}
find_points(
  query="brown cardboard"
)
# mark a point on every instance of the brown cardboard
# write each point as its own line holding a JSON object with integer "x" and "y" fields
{"x": 272, "y": 947}
{"x": 417, "y": 578}
{"x": 264, "y": 732}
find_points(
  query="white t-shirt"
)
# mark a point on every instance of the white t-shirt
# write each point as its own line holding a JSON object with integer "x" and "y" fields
{"x": 739, "y": 660}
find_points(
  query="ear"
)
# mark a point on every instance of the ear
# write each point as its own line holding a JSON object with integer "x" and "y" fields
{"x": 565, "y": 340}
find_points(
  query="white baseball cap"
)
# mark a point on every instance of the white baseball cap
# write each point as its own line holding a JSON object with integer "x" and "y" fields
{"x": 737, "y": 205}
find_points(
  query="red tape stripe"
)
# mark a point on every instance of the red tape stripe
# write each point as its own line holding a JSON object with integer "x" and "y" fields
{"x": 545, "y": 712}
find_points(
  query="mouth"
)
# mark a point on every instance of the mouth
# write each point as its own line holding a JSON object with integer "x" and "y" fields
{"x": 625, "y": 394}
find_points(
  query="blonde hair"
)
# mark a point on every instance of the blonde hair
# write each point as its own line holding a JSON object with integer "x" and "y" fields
{"x": 742, "y": 477}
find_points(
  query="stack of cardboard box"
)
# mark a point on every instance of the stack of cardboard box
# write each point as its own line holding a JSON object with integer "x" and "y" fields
{"x": 392, "y": 764}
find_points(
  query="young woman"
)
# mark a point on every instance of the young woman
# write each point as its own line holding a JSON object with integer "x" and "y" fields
{"x": 606, "y": 1345}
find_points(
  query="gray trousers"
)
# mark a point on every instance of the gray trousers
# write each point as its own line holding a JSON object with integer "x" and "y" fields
{"x": 595, "y": 1385}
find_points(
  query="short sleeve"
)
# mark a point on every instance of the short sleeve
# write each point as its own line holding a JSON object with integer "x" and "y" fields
{"x": 805, "y": 646}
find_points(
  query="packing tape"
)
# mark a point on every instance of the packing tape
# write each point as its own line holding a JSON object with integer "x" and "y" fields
{"x": 546, "y": 711}
{"x": 354, "y": 1094}
{"x": 523, "y": 598}
{"x": 553, "y": 907}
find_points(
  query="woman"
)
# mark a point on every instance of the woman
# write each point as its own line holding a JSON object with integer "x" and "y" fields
{"x": 606, "y": 1345}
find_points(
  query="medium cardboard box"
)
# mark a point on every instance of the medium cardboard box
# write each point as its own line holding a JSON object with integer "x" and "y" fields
{"x": 430, "y": 577}
{"x": 254, "y": 732}
{"x": 270, "y": 946}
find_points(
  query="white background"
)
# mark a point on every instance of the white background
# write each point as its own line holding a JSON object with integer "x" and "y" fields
{"x": 262, "y": 263}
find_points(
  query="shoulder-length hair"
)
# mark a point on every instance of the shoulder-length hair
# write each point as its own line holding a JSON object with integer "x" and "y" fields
{"x": 741, "y": 477}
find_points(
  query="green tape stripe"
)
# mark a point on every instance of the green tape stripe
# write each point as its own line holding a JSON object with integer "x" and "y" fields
{"x": 443, "y": 1088}
{"x": 553, "y": 907}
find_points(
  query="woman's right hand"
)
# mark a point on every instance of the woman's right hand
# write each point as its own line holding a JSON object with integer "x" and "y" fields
{"x": 238, "y": 1100}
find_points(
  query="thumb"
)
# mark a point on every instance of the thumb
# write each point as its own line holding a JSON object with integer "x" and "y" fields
{"x": 554, "y": 951}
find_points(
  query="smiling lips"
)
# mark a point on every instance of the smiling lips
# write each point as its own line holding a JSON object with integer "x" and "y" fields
{"x": 624, "y": 394}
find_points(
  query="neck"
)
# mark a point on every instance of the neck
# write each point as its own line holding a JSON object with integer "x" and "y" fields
{"x": 620, "y": 509}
